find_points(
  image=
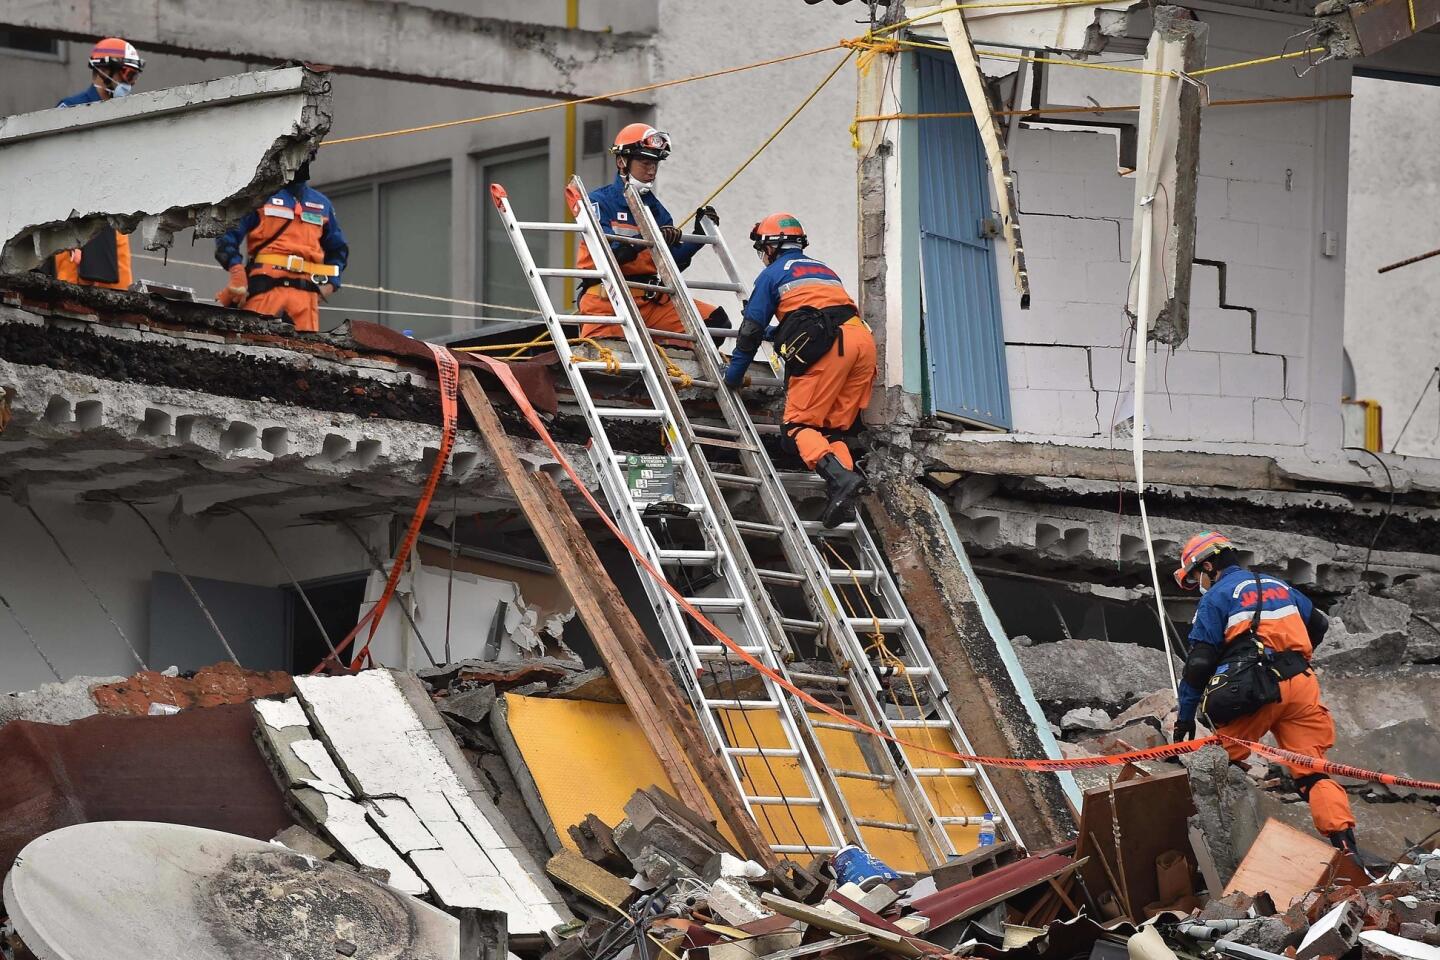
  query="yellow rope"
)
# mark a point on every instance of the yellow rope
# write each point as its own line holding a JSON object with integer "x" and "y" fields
{"x": 1254, "y": 63}
{"x": 1411, "y": 5}
{"x": 564, "y": 103}
{"x": 1123, "y": 108}
{"x": 778, "y": 130}
{"x": 1139, "y": 71}
{"x": 603, "y": 354}
{"x": 682, "y": 378}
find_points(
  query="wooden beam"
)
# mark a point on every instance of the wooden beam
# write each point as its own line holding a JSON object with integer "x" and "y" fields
{"x": 643, "y": 680}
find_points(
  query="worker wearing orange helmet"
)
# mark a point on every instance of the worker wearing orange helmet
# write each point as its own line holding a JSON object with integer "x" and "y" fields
{"x": 829, "y": 356}
{"x": 104, "y": 261}
{"x": 294, "y": 254}
{"x": 1246, "y": 622}
{"x": 638, "y": 150}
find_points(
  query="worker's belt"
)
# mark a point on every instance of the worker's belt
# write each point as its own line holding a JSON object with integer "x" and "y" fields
{"x": 1247, "y": 679}
{"x": 807, "y": 333}
{"x": 263, "y": 283}
{"x": 1290, "y": 663}
{"x": 296, "y": 264}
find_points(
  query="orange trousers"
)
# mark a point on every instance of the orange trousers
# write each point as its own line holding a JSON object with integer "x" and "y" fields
{"x": 657, "y": 314}
{"x": 826, "y": 399}
{"x": 301, "y": 306}
{"x": 1300, "y": 723}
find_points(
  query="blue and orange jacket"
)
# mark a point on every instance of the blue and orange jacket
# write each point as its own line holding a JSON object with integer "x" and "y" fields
{"x": 1227, "y": 609}
{"x": 89, "y": 95}
{"x": 311, "y": 232}
{"x": 616, "y": 219}
{"x": 791, "y": 281}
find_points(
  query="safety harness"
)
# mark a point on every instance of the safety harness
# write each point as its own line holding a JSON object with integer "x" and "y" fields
{"x": 1248, "y": 677}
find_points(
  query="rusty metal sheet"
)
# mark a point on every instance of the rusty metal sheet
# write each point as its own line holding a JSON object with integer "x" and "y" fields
{"x": 198, "y": 767}
{"x": 1383, "y": 23}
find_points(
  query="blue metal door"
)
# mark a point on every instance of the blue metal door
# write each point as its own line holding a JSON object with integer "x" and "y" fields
{"x": 963, "y": 333}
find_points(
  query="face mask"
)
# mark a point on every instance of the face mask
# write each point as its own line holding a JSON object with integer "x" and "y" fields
{"x": 640, "y": 185}
{"x": 1203, "y": 589}
{"x": 121, "y": 90}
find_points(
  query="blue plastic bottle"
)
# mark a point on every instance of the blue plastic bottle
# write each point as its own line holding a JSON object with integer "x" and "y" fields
{"x": 987, "y": 831}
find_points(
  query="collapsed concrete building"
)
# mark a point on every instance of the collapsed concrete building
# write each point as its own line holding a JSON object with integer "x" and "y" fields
{"x": 157, "y": 453}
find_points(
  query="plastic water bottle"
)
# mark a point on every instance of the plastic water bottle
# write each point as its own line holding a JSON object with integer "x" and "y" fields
{"x": 987, "y": 831}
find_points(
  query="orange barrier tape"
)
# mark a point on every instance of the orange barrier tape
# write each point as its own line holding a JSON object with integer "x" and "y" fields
{"x": 449, "y": 373}
{"x": 1165, "y": 752}
{"x": 1329, "y": 766}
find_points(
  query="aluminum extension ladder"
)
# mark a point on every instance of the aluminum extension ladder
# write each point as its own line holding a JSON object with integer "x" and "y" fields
{"x": 830, "y": 569}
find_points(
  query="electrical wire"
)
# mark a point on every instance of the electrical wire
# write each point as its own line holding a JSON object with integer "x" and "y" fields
{"x": 1390, "y": 481}
{"x": 195, "y": 595}
{"x": 1413, "y": 410}
{"x": 290, "y": 574}
{"x": 378, "y": 566}
{"x": 30, "y": 636}
{"x": 90, "y": 589}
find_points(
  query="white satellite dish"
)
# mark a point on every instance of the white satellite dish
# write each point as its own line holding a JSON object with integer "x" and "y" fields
{"x": 126, "y": 890}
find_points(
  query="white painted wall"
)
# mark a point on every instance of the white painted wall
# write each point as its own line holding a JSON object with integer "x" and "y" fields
{"x": 1272, "y": 179}
{"x": 1391, "y": 332}
{"x": 117, "y": 555}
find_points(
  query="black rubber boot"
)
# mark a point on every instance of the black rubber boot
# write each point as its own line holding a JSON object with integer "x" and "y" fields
{"x": 1344, "y": 840}
{"x": 843, "y": 486}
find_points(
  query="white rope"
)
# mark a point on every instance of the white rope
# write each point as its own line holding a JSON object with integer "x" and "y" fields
{"x": 171, "y": 261}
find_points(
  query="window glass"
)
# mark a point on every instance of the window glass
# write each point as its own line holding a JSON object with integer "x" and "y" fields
{"x": 526, "y": 179}
{"x": 415, "y": 252}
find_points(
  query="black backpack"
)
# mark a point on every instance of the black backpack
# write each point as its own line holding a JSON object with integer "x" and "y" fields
{"x": 1247, "y": 677}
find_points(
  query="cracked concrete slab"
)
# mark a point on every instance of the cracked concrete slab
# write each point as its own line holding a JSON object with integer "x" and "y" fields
{"x": 222, "y": 145}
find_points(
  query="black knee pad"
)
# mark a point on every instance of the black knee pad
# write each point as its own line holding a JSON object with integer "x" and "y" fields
{"x": 719, "y": 320}
{"x": 1307, "y": 783}
{"x": 788, "y": 446}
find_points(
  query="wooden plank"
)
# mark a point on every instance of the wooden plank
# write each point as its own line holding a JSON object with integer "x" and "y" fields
{"x": 883, "y": 939}
{"x": 586, "y": 878}
{"x": 642, "y": 679}
{"x": 1288, "y": 864}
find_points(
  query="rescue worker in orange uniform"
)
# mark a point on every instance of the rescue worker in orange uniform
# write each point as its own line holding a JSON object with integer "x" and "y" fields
{"x": 829, "y": 356}
{"x": 294, "y": 254}
{"x": 1289, "y": 627}
{"x": 104, "y": 261}
{"x": 638, "y": 150}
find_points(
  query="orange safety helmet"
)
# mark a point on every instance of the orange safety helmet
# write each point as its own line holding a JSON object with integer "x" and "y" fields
{"x": 641, "y": 140}
{"x": 123, "y": 61}
{"x": 779, "y": 229}
{"x": 1197, "y": 549}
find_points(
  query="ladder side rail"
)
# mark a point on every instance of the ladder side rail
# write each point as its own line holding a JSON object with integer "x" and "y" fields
{"x": 723, "y": 538}
{"x": 800, "y": 551}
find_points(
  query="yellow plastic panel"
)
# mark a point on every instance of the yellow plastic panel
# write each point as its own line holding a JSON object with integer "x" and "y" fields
{"x": 952, "y": 796}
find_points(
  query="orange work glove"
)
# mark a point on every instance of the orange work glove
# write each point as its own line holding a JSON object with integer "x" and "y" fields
{"x": 237, "y": 290}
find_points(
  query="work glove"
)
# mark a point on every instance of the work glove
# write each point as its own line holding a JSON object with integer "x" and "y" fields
{"x": 671, "y": 234}
{"x": 706, "y": 211}
{"x": 326, "y": 291}
{"x": 735, "y": 373}
{"x": 236, "y": 290}
{"x": 1184, "y": 730}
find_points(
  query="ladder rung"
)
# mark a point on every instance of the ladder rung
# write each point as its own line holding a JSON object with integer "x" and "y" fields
{"x": 633, "y": 241}
{"x": 721, "y": 652}
{"x": 573, "y": 273}
{"x": 820, "y": 679}
{"x": 864, "y": 775}
{"x": 735, "y": 480}
{"x": 761, "y": 751}
{"x": 913, "y": 672}
{"x": 801, "y": 848}
{"x": 714, "y": 431}
{"x": 817, "y": 529}
{"x": 589, "y": 365}
{"x": 722, "y": 604}
{"x": 796, "y": 478}
{"x": 884, "y": 625}
{"x": 630, "y": 413}
{"x": 783, "y": 801}
{"x": 943, "y": 771}
{"x": 920, "y": 724}
{"x": 779, "y": 576}
{"x": 832, "y": 725}
{"x": 758, "y": 529}
{"x": 886, "y": 825}
{"x": 702, "y": 238}
{"x": 741, "y": 704}
{"x": 964, "y": 821}
{"x": 687, "y": 558}
{"x": 800, "y": 626}
{"x": 716, "y": 285}
{"x": 851, "y": 577}
{"x": 587, "y": 318}
{"x": 553, "y": 227}
{"x": 653, "y": 287}
{"x": 716, "y": 441}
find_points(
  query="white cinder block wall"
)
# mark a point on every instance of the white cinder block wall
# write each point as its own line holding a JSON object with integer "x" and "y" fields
{"x": 1261, "y": 366}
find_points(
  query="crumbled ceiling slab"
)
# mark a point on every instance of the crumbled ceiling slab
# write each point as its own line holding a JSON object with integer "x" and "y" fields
{"x": 202, "y": 154}
{"x": 370, "y": 761}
